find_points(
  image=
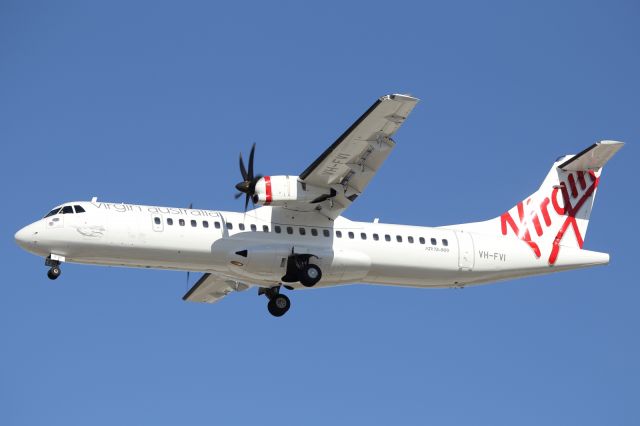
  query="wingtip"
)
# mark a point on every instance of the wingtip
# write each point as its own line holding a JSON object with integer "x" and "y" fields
{"x": 400, "y": 97}
{"x": 617, "y": 144}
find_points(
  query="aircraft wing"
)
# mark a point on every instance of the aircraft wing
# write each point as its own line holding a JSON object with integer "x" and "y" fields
{"x": 348, "y": 165}
{"x": 210, "y": 288}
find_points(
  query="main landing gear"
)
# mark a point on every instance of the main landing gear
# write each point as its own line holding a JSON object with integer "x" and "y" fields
{"x": 278, "y": 304}
{"x": 299, "y": 269}
{"x": 309, "y": 275}
{"x": 55, "y": 271}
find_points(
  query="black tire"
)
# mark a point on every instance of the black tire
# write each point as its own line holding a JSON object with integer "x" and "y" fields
{"x": 310, "y": 275}
{"x": 279, "y": 305}
{"x": 54, "y": 273}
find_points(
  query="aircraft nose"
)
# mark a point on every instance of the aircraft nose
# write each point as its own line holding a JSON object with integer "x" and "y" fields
{"x": 26, "y": 236}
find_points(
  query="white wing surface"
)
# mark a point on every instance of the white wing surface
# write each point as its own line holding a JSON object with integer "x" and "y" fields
{"x": 348, "y": 165}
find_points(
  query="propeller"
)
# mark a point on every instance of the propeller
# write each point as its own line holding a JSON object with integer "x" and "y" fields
{"x": 248, "y": 184}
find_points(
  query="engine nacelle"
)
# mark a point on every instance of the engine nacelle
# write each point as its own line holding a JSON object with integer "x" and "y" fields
{"x": 285, "y": 190}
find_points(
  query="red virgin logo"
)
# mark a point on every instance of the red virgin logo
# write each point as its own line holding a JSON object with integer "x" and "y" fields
{"x": 574, "y": 193}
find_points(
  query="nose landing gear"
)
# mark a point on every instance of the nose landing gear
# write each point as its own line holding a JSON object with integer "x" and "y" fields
{"x": 55, "y": 271}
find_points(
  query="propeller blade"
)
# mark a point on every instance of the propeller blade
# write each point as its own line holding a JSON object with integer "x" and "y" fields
{"x": 248, "y": 184}
{"x": 245, "y": 176}
{"x": 253, "y": 150}
{"x": 252, "y": 186}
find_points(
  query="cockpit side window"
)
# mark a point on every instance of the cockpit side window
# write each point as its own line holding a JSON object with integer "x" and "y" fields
{"x": 67, "y": 210}
{"x": 78, "y": 209}
{"x": 52, "y": 212}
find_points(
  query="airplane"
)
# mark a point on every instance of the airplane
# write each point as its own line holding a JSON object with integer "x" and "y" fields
{"x": 296, "y": 237}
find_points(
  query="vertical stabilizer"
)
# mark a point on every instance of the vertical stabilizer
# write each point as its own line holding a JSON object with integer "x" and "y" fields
{"x": 558, "y": 213}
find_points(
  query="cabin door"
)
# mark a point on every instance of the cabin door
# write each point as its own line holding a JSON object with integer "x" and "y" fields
{"x": 466, "y": 256}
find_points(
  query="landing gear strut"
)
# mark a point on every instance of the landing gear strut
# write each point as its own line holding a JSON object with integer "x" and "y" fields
{"x": 278, "y": 304}
{"x": 54, "y": 272}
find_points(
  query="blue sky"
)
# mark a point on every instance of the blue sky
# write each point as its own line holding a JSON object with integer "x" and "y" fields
{"x": 150, "y": 103}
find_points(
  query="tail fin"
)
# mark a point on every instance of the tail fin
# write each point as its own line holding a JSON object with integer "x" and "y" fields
{"x": 558, "y": 213}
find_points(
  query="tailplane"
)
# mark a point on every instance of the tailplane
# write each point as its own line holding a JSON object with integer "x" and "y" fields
{"x": 557, "y": 214}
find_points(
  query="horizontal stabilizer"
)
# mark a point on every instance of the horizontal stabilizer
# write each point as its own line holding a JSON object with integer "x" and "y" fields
{"x": 592, "y": 158}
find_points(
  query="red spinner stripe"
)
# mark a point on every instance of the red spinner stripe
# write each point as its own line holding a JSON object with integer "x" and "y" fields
{"x": 267, "y": 184}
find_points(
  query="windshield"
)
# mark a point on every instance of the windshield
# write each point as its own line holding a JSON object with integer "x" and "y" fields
{"x": 52, "y": 212}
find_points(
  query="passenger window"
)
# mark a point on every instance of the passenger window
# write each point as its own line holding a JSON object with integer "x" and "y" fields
{"x": 433, "y": 242}
{"x": 67, "y": 210}
{"x": 445, "y": 243}
{"x": 398, "y": 238}
{"x": 169, "y": 221}
{"x": 265, "y": 228}
{"x": 421, "y": 240}
{"x": 351, "y": 235}
{"x": 241, "y": 226}
{"x": 363, "y": 236}
{"x": 387, "y": 237}
{"x": 79, "y": 209}
{"x": 289, "y": 230}
{"x": 216, "y": 224}
{"x": 194, "y": 223}
{"x": 410, "y": 240}
{"x": 326, "y": 232}
{"x": 277, "y": 229}
{"x": 156, "y": 220}
{"x": 376, "y": 237}
{"x": 253, "y": 227}
{"x": 302, "y": 231}
{"x": 205, "y": 224}
{"x": 339, "y": 234}
{"x": 181, "y": 222}
{"x": 229, "y": 225}
{"x": 314, "y": 232}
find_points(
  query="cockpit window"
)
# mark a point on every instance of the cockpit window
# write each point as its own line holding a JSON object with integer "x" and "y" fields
{"x": 67, "y": 210}
{"x": 52, "y": 212}
{"x": 78, "y": 209}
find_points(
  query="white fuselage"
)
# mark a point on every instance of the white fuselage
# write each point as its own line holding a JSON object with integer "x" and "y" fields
{"x": 346, "y": 251}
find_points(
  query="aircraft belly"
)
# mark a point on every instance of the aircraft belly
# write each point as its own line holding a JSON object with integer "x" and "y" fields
{"x": 413, "y": 266}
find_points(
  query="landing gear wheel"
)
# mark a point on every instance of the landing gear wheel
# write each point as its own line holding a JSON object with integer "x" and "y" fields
{"x": 310, "y": 275}
{"x": 54, "y": 272}
{"x": 279, "y": 305}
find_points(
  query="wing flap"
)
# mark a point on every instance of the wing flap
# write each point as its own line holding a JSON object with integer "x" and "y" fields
{"x": 211, "y": 288}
